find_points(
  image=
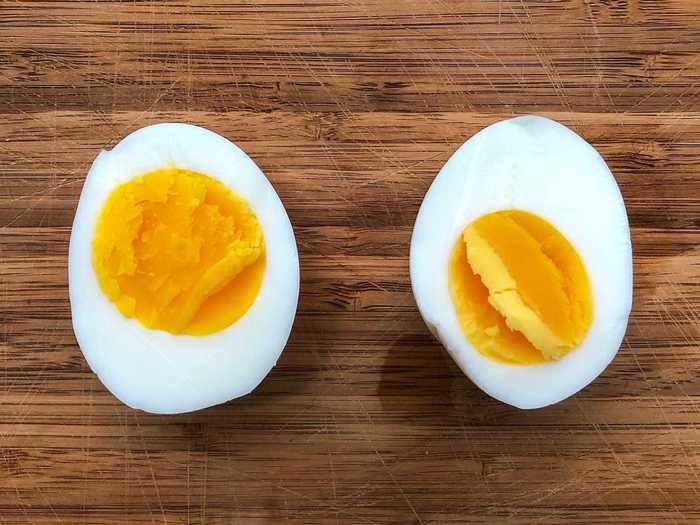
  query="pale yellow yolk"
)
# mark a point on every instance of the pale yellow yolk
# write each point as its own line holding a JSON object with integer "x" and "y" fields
{"x": 519, "y": 288}
{"x": 178, "y": 251}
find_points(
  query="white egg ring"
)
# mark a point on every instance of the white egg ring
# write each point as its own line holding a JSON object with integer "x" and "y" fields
{"x": 154, "y": 370}
{"x": 567, "y": 175}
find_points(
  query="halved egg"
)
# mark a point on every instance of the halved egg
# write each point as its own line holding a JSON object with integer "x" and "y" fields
{"x": 183, "y": 270}
{"x": 521, "y": 261}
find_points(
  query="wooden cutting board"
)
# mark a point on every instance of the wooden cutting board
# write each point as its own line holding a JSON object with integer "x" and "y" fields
{"x": 351, "y": 107}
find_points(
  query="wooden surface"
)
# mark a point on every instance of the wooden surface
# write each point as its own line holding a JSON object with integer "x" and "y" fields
{"x": 351, "y": 107}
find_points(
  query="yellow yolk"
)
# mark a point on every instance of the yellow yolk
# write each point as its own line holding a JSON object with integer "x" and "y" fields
{"x": 178, "y": 251}
{"x": 519, "y": 288}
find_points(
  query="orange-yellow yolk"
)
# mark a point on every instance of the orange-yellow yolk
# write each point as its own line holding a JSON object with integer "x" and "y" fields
{"x": 178, "y": 251}
{"x": 519, "y": 288}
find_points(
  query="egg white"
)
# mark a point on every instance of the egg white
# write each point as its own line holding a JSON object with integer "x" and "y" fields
{"x": 153, "y": 370}
{"x": 537, "y": 165}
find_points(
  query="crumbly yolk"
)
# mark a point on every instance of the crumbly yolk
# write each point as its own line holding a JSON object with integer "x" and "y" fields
{"x": 178, "y": 251}
{"x": 519, "y": 288}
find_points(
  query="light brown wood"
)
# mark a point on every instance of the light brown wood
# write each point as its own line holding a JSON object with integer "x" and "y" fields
{"x": 351, "y": 107}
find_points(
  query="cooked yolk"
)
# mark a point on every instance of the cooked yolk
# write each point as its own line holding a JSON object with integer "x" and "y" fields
{"x": 178, "y": 251}
{"x": 519, "y": 288}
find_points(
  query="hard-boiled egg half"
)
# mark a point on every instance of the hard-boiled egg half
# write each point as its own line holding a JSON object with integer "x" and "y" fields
{"x": 183, "y": 270}
{"x": 521, "y": 261}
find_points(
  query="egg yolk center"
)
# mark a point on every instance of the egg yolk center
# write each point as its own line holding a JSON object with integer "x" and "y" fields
{"x": 519, "y": 288}
{"x": 178, "y": 251}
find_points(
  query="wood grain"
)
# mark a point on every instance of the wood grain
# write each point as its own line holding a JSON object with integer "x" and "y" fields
{"x": 351, "y": 107}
